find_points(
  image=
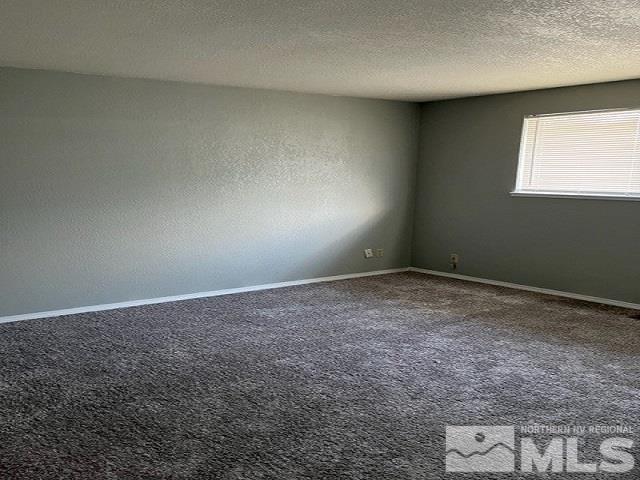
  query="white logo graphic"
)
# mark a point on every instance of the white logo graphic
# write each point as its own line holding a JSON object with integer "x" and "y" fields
{"x": 492, "y": 449}
{"x": 480, "y": 449}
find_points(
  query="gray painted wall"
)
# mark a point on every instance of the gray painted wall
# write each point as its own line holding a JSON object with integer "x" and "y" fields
{"x": 120, "y": 189}
{"x": 469, "y": 155}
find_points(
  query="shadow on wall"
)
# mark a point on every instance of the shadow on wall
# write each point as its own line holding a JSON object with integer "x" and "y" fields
{"x": 120, "y": 189}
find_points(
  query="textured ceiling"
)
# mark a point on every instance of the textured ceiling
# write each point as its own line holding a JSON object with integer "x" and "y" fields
{"x": 411, "y": 50}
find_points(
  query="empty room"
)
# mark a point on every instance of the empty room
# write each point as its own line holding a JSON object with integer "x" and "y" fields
{"x": 295, "y": 239}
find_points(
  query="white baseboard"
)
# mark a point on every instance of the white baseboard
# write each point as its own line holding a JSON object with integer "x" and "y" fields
{"x": 558, "y": 293}
{"x": 188, "y": 296}
{"x": 228, "y": 291}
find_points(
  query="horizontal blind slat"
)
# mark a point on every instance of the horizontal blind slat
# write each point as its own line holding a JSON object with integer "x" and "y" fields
{"x": 594, "y": 152}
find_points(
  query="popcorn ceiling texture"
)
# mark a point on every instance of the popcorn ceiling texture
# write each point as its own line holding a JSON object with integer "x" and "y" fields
{"x": 412, "y": 50}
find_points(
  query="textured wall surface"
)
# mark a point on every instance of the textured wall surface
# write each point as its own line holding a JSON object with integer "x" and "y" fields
{"x": 407, "y": 49}
{"x": 469, "y": 156}
{"x": 118, "y": 189}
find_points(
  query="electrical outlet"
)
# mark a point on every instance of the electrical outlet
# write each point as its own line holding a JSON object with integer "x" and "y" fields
{"x": 380, "y": 252}
{"x": 454, "y": 259}
{"x": 368, "y": 253}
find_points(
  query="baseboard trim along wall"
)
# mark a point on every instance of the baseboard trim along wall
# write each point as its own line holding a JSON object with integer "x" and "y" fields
{"x": 267, "y": 286}
{"x": 188, "y": 296}
{"x": 558, "y": 293}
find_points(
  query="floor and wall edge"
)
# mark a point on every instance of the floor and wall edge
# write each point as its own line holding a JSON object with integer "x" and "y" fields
{"x": 547, "y": 291}
{"x": 267, "y": 286}
{"x": 188, "y": 296}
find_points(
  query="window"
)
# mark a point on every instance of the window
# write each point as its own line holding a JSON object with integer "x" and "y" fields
{"x": 594, "y": 153}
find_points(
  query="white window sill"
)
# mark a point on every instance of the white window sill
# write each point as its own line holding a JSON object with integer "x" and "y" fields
{"x": 592, "y": 196}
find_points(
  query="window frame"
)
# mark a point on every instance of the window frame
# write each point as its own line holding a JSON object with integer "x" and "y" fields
{"x": 516, "y": 192}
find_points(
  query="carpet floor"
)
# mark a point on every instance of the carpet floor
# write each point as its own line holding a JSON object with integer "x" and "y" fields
{"x": 353, "y": 379}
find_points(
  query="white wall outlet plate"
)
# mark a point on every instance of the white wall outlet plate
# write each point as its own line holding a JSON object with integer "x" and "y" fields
{"x": 368, "y": 253}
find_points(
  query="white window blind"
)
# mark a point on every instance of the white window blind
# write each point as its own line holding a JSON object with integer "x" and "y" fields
{"x": 586, "y": 153}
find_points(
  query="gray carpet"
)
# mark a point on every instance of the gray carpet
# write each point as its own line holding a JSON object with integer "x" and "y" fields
{"x": 354, "y": 379}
